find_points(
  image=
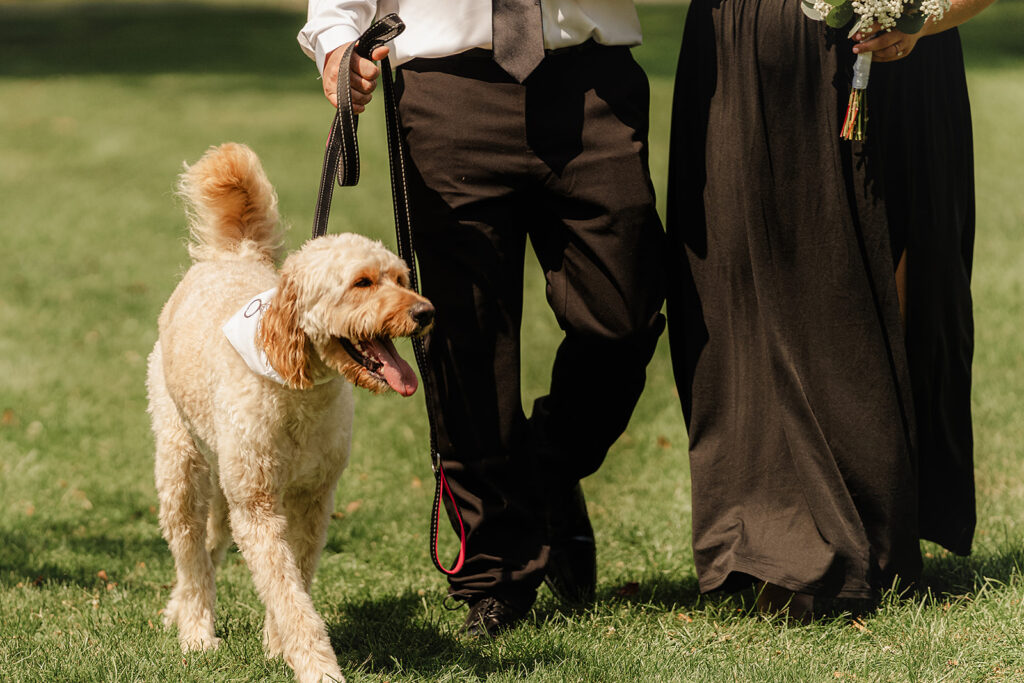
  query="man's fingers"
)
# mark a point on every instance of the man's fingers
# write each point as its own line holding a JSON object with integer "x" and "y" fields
{"x": 330, "y": 74}
{"x": 329, "y": 90}
{"x": 361, "y": 85}
{"x": 362, "y": 77}
{"x": 364, "y": 68}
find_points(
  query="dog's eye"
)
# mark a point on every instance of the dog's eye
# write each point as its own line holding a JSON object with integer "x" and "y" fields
{"x": 363, "y": 282}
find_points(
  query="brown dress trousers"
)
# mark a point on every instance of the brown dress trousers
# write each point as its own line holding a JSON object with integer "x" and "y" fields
{"x": 560, "y": 159}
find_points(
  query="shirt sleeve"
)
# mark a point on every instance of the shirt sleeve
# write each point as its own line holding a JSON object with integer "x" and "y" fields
{"x": 331, "y": 23}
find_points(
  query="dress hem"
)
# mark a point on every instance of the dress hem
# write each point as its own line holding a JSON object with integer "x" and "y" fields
{"x": 755, "y": 569}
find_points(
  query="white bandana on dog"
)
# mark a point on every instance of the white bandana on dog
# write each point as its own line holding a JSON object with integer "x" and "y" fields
{"x": 241, "y": 332}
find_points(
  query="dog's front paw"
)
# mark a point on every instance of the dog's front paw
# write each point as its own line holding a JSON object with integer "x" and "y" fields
{"x": 168, "y": 618}
{"x": 198, "y": 642}
{"x": 272, "y": 646}
{"x": 323, "y": 677}
{"x": 319, "y": 672}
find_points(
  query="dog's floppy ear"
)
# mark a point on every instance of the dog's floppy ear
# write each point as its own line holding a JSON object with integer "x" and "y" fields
{"x": 283, "y": 340}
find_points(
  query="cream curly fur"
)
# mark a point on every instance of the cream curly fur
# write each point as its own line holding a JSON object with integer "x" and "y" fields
{"x": 239, "y": 456}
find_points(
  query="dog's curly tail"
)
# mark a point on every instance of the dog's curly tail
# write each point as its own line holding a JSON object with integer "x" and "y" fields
{"x": 231, "y": 206}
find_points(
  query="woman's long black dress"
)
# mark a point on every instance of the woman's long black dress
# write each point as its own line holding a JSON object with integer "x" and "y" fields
{"x": 825, "y": 440}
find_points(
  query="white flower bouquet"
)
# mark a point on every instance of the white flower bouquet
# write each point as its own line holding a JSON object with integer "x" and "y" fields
{"x": 907, "y": 16}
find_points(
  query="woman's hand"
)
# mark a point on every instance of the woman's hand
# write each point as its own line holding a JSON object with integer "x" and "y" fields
{"x": 362, "y": 79}
{"x": 893, "y": 45}
{"x": 887, "y": 46}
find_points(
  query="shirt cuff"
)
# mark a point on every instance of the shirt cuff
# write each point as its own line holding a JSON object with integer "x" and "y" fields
{"x": 331, "y": 39}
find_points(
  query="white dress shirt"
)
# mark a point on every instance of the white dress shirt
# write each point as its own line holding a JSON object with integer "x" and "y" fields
{"x": 438, "y": 28}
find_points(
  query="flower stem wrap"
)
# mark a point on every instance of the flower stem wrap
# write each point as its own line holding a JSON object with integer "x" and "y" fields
{"x": 857, "y": 108}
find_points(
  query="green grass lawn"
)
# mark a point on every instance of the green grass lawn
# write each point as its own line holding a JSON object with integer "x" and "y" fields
{"x": 99, "y": 107}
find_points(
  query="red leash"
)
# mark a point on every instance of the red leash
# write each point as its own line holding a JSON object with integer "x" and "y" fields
{"x": 443, "y": 490}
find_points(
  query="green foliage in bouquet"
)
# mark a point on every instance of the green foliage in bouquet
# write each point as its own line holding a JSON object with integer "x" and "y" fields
{"x": 839, "y": 13}
{"x": 912, "y": 19}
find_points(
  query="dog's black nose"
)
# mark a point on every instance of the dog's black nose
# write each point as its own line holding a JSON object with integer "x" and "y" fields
{"x": 422, "y": 313}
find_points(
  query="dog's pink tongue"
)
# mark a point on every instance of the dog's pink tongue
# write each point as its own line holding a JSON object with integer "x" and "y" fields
{"x": 396, "y": 371}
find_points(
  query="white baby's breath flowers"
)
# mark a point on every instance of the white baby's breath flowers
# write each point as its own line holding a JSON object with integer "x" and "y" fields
{"x": 822, "y": 8}
{"x": 868, "y": 13}
{"x": 886, "y": 12}
{"x": 934, "y": 9}
{"x": 881, "y": 12}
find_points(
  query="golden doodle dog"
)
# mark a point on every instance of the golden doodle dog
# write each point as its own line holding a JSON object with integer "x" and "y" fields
{"x": 251, "y": 410}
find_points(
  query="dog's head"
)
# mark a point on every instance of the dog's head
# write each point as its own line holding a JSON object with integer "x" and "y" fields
{"x": 344, "y": 298}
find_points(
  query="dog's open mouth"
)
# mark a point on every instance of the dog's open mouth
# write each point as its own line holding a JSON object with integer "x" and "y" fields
{"x": 381, "y": 359}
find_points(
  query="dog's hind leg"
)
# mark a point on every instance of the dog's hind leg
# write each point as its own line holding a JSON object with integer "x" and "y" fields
{"x": 218, "y": 534}
{"x": 259, "y": 527}
{"x": 183, "y": 486}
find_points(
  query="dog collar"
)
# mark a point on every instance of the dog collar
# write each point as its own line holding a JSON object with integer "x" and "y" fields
{"x": 241, "y": 331}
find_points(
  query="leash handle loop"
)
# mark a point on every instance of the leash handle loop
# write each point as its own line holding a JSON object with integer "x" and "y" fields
{"x": 341, "y": 157}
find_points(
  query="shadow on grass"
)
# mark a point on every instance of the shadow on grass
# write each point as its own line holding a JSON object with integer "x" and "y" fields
{"x": 944, "y": 579}
{"x": 71, "y": 553}
{"x": 171, "y": 37}
{"x": 192, "y": 37}
{"x": 162, "y": 37}
{"x": 948, "y": 574}
{"x": 658, "y": 592}
{"x": 945, "y": 576}
{"x": 389, "y": 636}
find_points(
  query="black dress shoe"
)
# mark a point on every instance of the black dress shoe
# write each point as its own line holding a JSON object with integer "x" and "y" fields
{"x": 489, "y": 616}
{"x": 571, "y": 573}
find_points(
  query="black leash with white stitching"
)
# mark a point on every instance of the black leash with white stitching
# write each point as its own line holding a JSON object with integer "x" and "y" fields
{"x": 341, "y": 160}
